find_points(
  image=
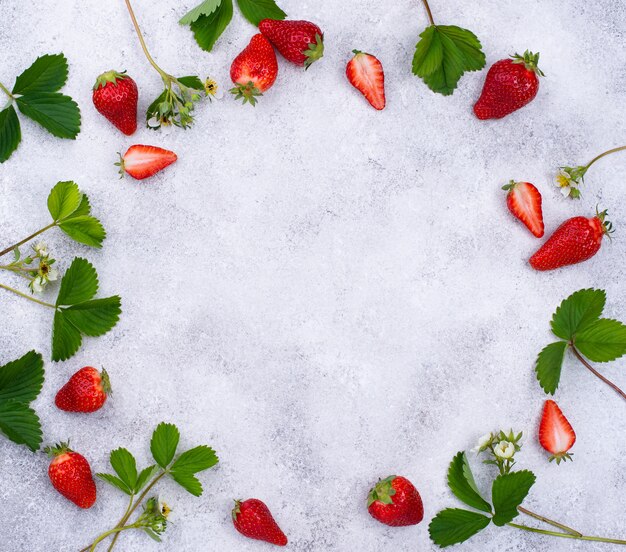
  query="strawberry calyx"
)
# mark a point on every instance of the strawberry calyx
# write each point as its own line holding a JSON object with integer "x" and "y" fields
{"x": 237, "y": 509}
{"x": 607, "y": 225}
{"x": 561, "y": 457}
{"x": 510, "y": 186}
{"x": 59, "y": 449}
{"x": 109, "y": 77}
{"x": 530, "y": 61}
{"x": 382, "y": 491}
{"x": 105, "y": 382}
{"x": 314, "y": 52}
{"x": 248, "y": 92}
{"x": 120, "y": 164}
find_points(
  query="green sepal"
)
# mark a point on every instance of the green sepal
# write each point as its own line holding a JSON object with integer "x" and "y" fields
{"x": 530, "y": 61}
{"x": 109, "y": 77}
{"x": 314, "y": 52}
{"x": 382, "y": 491}
{"x": 246, "y": 92}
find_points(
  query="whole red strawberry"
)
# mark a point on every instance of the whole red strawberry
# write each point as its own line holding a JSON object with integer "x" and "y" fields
{"x": 556, "y": 434}
{"x": 254, "y": 70}
{"x": 395, "y": 501}
{"x": 115, "y": 96}
{"x": 510, "y": 85}
{"x": 575, "y": 241}
{"x": 86, "y": 391}
{"x": 70, "y": 474}
{"x": 300, "y": 42}
{"x": 524, "y": 202}
{"x": 253, "y": 519}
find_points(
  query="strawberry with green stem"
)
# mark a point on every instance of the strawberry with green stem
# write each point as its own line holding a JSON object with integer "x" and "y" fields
{"x": 396, "y": 502}
{"x": 253, "y": 519}
{"x": 254, "y": 70}
{"x": 70, "y": 474}
{"x": 86, "y": 391}
{"x": 115, "y": 96}
{"x": 300, "y": 42}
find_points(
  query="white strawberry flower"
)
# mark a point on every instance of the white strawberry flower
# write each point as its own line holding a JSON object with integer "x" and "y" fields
{"x": 504, "y": 450}
{"x": 37, "y": 284}
{"x": 53, "y": 274}
{"x": 41, "y": 249}
{"x": 483, "y": 442}
{"x": 213, "y": 90}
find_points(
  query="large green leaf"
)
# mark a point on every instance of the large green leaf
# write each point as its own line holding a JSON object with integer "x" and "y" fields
{"x": 22, "y": 379}
{"x": 257, "y": 10}
{"x": 188, "y": 481}
{"x": 191, "y": 81}
{"x": 196, "y": 459}
{"x": 508, "y": 492}
{"x": 10, "y": 133}
{"x": 66, "y": 339}
{"x": 455, "y": 525}
{"x": 57, "y": 113}
{"x": 164, "y": 443}
{"x": 204, "y": 8}
{"x": 208, "y": 28}
{"x": 549, "y": 364}
{"x": 95, "y": 317}
{"x": 462, "y": 484}
{"x": 47, "y": 74}
{"x": 63, "y": 200}
{"x": 84, "y": 229}
{"x": 116, "y": 482}
{"x": 124, "y": 464}
{"x": 578, "y": 311}
{"x": 79, "y": 283}
{"x": 602, "y": 341}
{"x": 20, "y": 423}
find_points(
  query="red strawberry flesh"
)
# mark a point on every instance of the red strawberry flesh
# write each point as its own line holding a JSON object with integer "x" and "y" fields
{"x": 365, "y": 73}
{"x": 524, "y": 202}
{"x": 141, "y": 161}
{"x": 556, "y": 434}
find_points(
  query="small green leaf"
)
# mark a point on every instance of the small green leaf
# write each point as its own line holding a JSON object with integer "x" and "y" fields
{"x": 47, "y": 74}
{"x": 145, "y": 475}
{"x": 602, "y": 341}
{"x": 164, "y": 443}
{"x": 124, "y": 464}
{"x": 195, "y": 460}
{"x": 83, "y": 209}
{"x": 191, "y": 81}
{"x": 257, "y": 10}
{"x": 549, "y": 364}
{"x": 205, "y": 8}
{"x": 79, "y": 283}
{"x": 66, "y": 339}
{"x": 443, "y": 54}
{"x": 208, "y": 28}
{"x": 508, "y": 492}
{"x": 10, "y": 133}
{"x": 153, "y": 108}
{"x": 96, "y": 317}
{"x": 462, "y": 484}
{"x": 57, "y": 113}
{"x": 20, "y": 423}
{"x": 63, "y": 200}
{"x": 22, "y": 379}
{"x": 577, "y": 312}
{"x": 115, "y": 481}
{"x": 84, "y": 229}
{"x": 455, "y": 525}
{"x": 152, "y": 534}
{"x": 188, "y": 481}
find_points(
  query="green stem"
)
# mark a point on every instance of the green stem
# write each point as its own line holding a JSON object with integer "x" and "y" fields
{"x": 566, "y": 535}
{"x": 428, "y": 12}
{"x": 18, "y": 269}
{"x": 550, "y": 521}
{"x": 115, "y": 530}
{"x": 11, "y": 248}
{"x": 6, "y": 91}
{"x": 608, "y": 152}
{"x": 120, "y": 523}
{"x": 163, "y": 74}
{"x": 596, "y": 373}
{"x": 50, "y": 305}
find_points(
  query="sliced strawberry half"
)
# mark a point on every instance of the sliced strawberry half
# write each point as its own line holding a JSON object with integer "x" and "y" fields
{"x": 365, "y": 73}
{"x": 143, "y": 161}
{"x": 556, "y": 435}
{"x": 524, "y": 201}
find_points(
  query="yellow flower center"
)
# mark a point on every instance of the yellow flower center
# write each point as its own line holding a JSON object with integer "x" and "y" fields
{"x": 562, "y": 180}
{"x": 165, "y": 510}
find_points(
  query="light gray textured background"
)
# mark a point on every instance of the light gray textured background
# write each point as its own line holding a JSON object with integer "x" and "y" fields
{"x": 323, "y": 293}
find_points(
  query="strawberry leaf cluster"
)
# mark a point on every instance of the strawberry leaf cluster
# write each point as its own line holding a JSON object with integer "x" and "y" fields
{"x": 175, "y": 105}
{"x": 209, "y": 19}
{"x": 20, "y": 383}
{"x": 36, "y": 95}
{"x": 578, "y": 324}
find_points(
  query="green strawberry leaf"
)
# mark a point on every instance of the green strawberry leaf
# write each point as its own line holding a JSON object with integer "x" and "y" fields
{"x": 208, "y": 28}
{"x": 64, "y": 199}
{"x": 66, "y": 339}
{"x": 191, "y": 81}
{"x": 549, "y": 364}
{"x": 188, "y": 481}
{"x": 116, "y": 482}
{"x": 20, "y": 423}
{"x": 462, "y": 484}
{"x": 96, "y": 317}
{"x": 83, "y": 209}
{"x": 205, "y": 8}
{"x": 21, "y": 380}
{"x": 125, "y": 465}
{"x": 602, "y": 341}
{"x": 47, "y": 74}
{"x": 195, "y": 460}
{"x": 508, "y": 492}
{"x": 578, "y": 311}
{"x": 84, "y": 229}
{"x": 57, "y": 113}
{"x": 164, "y": 443}
{"x": 10, "y": 133}
{"x": 79, "y": 283}
{"x": 144, "y": 476}
{"x": 455, "y": 525}
{"x": 257, "y": 10}
{"x": 443, "y": 54}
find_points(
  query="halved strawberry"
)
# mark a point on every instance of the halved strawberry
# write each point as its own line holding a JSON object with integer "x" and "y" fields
{"x": 365, "y": 73}
{"x": 143, "y": 161}
{"x": 556, "y": 435}
{"x": 524, "y": 201}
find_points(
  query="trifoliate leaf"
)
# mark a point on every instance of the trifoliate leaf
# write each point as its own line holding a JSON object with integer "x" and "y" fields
{"x": 462, "y": 484}
{"x": 164, "y": 443}
{"x": 66, "y": 339}
{"x": 79, "y": 283}
{"x": 602, "y": 341}
{"x": 508, "y": 492}
{"x": 21, "y": 380}
{"x": 443, "y": 54}
{"x": 578, "y": 311}
{"x": 257, "y": 10}
{"x": 20, "y": 423}
{"x": 144, "y": 476}
{"x": 63, "y": 200}
{"x": 84, "y": 229}
{"x": 47, "y": 74}
{"x": 455, "y": 525}
{"x": 195, "y": 460}
{"x": 549, "y": 364}
{"x": 10, "y": 133}
{"x": 208, "y": 28}
{"x": 96, "y": 317}
{"x": 125, "y": 465}
{"x": 57, "y": 113}
{"x": 188, "y": 481}
{"x": 205, "y": 8}
{"x": 116, "y": 482}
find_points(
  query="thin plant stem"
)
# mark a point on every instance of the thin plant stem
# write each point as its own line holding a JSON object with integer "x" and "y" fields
{"x": 163, "y": 74}
{"x": 115, "y": 530}
{"x": 12, "y": 290}
{"x": 550, "y": 521}
{"x": 428, "y": 12}
{"x": 6, "y": 91}
{"x": 11, "y": 248}
{"x": 596, "y": 373}
{"x": 566, "y": 535}
{"x": 608, "y": 152}
{"x": 121, "y": 522}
